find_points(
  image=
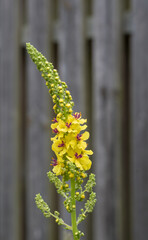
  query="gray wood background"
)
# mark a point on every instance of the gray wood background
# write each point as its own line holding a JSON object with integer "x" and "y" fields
{"x": 100, "y": 48}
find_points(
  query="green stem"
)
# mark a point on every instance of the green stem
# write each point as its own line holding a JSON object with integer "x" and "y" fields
{"x": 73, "y": 214}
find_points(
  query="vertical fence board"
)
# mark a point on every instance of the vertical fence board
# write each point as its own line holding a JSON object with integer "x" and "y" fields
{"x": 10, "y": 223}
{"x": 139, "y": 121}
{"x": 107, "y": 116}
{"x": 71, "y": 48}
{"x": 71, "y": 55}
{"x": 72, "y": 51}
{"x": 37, "y": 137}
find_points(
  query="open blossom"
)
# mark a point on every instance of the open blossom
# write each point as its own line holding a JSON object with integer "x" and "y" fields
{"x": 80, "y": 158}
{"x": 79, "y": 140}
{"x": 57, "y": 166}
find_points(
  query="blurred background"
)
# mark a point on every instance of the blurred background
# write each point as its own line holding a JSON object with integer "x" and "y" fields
{"x": 100, "y": 48}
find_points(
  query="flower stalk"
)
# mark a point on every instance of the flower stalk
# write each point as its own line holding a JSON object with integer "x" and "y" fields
{"x": 71, "y": 157}
{"x": 73, "y": 213}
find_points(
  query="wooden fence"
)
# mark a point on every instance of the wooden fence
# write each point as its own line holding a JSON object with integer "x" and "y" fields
{"x": 100, "y": 48}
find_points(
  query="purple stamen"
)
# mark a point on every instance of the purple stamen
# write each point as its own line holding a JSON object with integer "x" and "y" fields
{"x": 55, "y": 130}
{"x": 62, "y": 144}
{"x": 68, "y": 125}
{"x": 79, "y": 137}
{"x": 54, "y": 162}
{"x": 77, "y": 115}
{"x": 78, "y": 156}
{"x": 54, "y": 120}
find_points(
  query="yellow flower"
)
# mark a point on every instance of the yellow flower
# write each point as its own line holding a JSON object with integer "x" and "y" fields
{"x": 71, "y": 125}
{"x": 59, "y": 147}
{"x": 55, "y": 130}
{"x": 79, "y": 139}
{"x": 57, "y": 166}
{"x": 58, "y": 169}
{"x": 80, "y": 158}
{"x": 78, "y": 119}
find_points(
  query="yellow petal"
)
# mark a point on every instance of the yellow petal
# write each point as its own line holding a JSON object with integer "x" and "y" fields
{"x": 85, "y": 135}
{"x": 85, "y": 162}
{"x": 78, "y": 164}
{"x": 89, "y": 152}
{"x": 83, "y": 127}
{"x": 57, "y": 169}
{"x": 82, "y": 145}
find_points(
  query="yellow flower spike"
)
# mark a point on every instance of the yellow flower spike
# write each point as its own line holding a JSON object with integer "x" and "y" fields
{"x": 68, "y": 145}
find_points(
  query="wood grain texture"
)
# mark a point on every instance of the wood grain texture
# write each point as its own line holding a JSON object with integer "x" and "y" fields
{"x": 10, "y": 221}
{"x": 71, "y": 48}
{"x": 139, "y": 121}
{"x": 107, "y": 117}
{"x": 37, "y": 132}
{"x": 72, "y": 59}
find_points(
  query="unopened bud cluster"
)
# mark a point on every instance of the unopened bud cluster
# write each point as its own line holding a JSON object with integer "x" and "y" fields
{"x": 61, "y": 97}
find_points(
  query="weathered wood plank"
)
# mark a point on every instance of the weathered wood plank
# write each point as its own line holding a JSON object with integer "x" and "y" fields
{"x": 71, "y": 48}
{"x": 139, "y": 121}
{"x": 71, "y": 57}
{"x": 10, "y": 221}
{"x": 107, "y": 117}
{"x": 89, "y": 30}
{"x": 37, "y": 136}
